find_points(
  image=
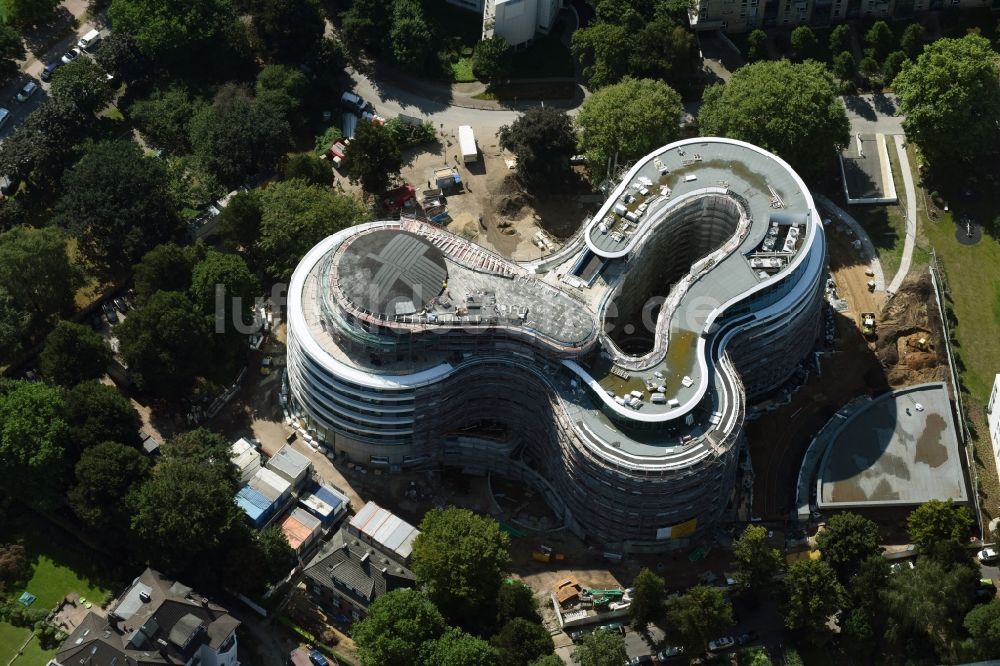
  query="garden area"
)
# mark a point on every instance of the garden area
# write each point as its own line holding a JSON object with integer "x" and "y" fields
{"x": 54, "y": 564}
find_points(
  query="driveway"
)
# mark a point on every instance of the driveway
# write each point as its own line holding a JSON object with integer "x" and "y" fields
{"x": 873, "y": 114}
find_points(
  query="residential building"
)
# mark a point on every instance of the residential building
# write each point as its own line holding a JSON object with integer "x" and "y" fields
{"x": 348, "y": 574}
{"x": 385, "y": 530}
{"x": 993, "y": 419}
{"x": 410, "y": 347}
{"x": 471, "y": 5}
{"x": 518, "y": 21}
{"x": 155, "y": 621}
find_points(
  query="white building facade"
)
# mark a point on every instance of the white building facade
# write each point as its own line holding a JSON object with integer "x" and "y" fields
{"x": 518, "y": 21}
{"x": 993, "y": 419}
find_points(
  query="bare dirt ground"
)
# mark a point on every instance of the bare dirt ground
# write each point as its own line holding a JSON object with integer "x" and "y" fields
{"x": 492, "y": 209}
{"x": 910, "y": 338}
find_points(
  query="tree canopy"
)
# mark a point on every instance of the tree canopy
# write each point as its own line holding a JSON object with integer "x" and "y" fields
{"x": 105, "y": 474}
{"x": 983, "y": 625}
{"x": 166, "y": 267}
{"x": 166, "y": 344}
{"x": 813, "y": 595}
{"x": 397, "y": 624}
{"x": 29, "y": 12}
{"x": 34, "y": 437}
{"x": 840, "y": 38}
{"x": 289, "y": 30}
{"x": 848, "y": 540}
{"x": 115, "y": 202}
{"x": 604, "y": 51}
{"x": 696, "y": 617}
{"x": 409, "y": 35}
{"x": 601, "y": 648}
{"x": 950, "y": 99}
{"x": 648, "y": 602}
{"x": 308, "y": 167}
{"x": 295, "y": 216}
{"x": 626, "y": 121}
{"x": 73, "y": 353}
{"x": 911, "y": 42}
{"x": 757, "y": 45}
{"x": 520, "y": 641}
{"x": 543, "y": 140}
{"x": 879, "y": 40}
{"x": 82, "y": 82}
{"x": 372, "y": 158}
{"x": 165, "y": 114}
{"x": 98, "y": 413}
{"x": 11, "y": 50}
{"x": 461, "y": 560}
{"x": 804, "y": 43}
{"x": 936, "y": 521}
{"x": 165, "y": 30}
{"x": 790, "y": 109}
{"x": 757, "y": 562}
{"x": 491, "y": 59}
{"x": 261, "y": 558}
{"x": 225, "y": 277}
{"x": 36, "y": 273}
{"x": 204, "y": 447}
{"x": 516, "y": 600}
{"x": 42, "y": 146}
{"x": 457, "y": 648}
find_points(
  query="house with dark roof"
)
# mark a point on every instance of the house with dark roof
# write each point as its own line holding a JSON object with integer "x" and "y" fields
{"x": 348, "y": 574}
{"x": 155, "y": 621}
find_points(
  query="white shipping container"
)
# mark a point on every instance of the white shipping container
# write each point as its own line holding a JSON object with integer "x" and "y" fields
{"x": 467, "y": 144}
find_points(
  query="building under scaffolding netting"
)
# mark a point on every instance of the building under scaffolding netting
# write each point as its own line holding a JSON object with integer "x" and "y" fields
{"x": 612, "y": 375}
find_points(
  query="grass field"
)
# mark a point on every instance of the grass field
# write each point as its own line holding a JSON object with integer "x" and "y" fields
{"x": 11, "y": 638}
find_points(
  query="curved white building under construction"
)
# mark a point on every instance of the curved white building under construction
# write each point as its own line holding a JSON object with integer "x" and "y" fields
{"x": 613, "y": 375}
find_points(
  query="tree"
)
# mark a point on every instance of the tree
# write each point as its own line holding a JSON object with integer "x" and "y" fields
{"x": 869, "y": 69}
{"x": 204, "y": 447}
{"x": 120, "y": 57}
{"x": 14, "y": 566}
{"x": 804, "y": 43}
{"x": 15, "y": 325}
{"x": 165, "y": 344}
{"x": 165, "y": 30}
{"x": 813, "y": 595}
{"x": 82, "y": 82}
{"x": 603, "y": 50}
{"x": 11, "y": 50}
{"x": 97, "y": 413}
{"x": 41, "y": 147}
{"x": 308, "y": 167}
{"x": 840, "y": 38}
{"x": 237, "y": 138}
{"x": 983, "y": 625}
{"x": 115, "y": 202}
{"x": 865, "y": 587}
{"x": 222, "y": 276}
{"x": 601, "y": 648}
{"x": 34, "y": 437}
{"x": 166, "y": 267}
{"x": 649, "y": 598}
{"x": 164, "y": 116}
{"x": 281, "y": 89}
{"x": 36, "y": 272}
{"x": 183, "y": 515}
{"x": 190, "y": 183}
{"x": 365, "y": 26}
{"x": 880, "y": 40}
{"x": 930, "y": 602}
{"x": 844, "y": 66}
{"x": 372, "y": 158}
{"x": 936, "y": 521}
{"x": 950, "y": 99}
{"x": 664, "y": 50}
{"x": 848, "y": 540}
{"x": 858, "y": 635}
{"x": 73, "y": 353}
{"x": 408, "y": 35}
{"x": 892, "y": 65}
{"x": 626, "y": 121}
{"x": 461, "y": 560}
{"x": 516, "y": 600}
{"x": 911, "y": 42}
{"x": 696, "y": 617}
{"x": 29, "y": 12}
{"x": 548, "y": 660}
{"x": 105, "y": 474}
{"x": 457, "y": 648}
{"x": 261, "y": 559}
{"x": 491, "y": 59}
{"x": 289, "y": 30}
{"x": 239, "y": 221}
{"x": 757, "y": 45}
{"x": 520, "y": 641}
{"x": 792, "y": 110}
{"x": 543, "y": 141}
{"x": 295, "y": 216}
{"x": 757, "y": 562}
{"x": 397, "y": 624}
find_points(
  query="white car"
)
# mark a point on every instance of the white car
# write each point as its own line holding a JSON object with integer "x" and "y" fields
{"x": 723, "y": 643}
{"x": 71, "y": 55}
{"x": 27, "y": 91}
{"x": 987, "y": 555}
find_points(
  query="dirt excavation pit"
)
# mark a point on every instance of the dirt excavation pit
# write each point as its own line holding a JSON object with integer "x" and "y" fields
{"x": 910, "y": 342}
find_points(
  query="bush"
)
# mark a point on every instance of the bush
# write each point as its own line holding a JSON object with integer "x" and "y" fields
{"x": 326, "y": 139}
{"x": 406, "y": 135}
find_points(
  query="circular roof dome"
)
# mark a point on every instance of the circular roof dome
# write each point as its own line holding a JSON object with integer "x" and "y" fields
{"x": 391, "y": 272}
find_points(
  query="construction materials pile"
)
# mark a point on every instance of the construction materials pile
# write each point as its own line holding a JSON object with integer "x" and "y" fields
{"x": 910, "y": 343}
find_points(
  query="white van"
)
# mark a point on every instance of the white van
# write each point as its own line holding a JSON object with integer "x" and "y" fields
{"x": 89, "y": 39}
{"x": 354, "y": 102}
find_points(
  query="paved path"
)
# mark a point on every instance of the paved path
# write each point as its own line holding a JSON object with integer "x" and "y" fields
{"x": 911, "y": 215}
{"x": 873, "y": 114}
{"x": 874, "y": 263}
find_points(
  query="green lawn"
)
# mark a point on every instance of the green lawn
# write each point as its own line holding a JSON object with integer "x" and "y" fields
{"x": 886, "y": 226}
{"x": 461, "y": 70}
{"x": 11, "y": 638}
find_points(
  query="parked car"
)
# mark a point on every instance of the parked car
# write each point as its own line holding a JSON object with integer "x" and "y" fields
{"x": 71, "y": 55}
{"x": 576, "y": 636}
{"x": 614, "y": 627}
{"x": 4, "y": 116}
{"x": 120, "y": 304}
{"x": 721, "y": 643}
{"x": 46, "y": 74}
{"x": 109, "y": 312}
{"x": 641, "y": 660}
{"x": 317, "y": 658}
{"x": 670, "y": 652}
{"x": 88, "y": 40}
{"x": 27, "y": 91}
{"x": 987, "y": 555}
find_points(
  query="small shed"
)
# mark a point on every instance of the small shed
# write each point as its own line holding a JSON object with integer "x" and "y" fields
{"x": 290, "y": 465}
{"x": 255, "y": 505}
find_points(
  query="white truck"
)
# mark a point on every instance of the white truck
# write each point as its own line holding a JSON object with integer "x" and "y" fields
{"x": 467, "y": 144}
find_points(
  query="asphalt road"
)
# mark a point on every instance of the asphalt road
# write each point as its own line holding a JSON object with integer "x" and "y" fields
{"x": 18, "y": 110}
{"x": 873, "y": 114}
